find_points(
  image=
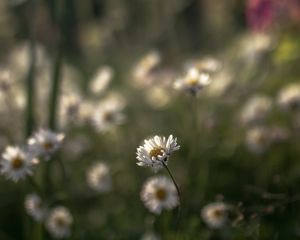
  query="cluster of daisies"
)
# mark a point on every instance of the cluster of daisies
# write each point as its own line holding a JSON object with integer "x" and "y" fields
{"x": 161, "y": 193}
{"x": 258, "y": 110}
{"x": 102, "y": 110}
{"x": 18, "y": 163}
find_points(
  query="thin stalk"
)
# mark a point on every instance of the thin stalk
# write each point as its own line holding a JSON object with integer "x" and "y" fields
{"x": 54, "y": 97}
{"x": 175, "y": 184}
{"x": 31, "y": 73}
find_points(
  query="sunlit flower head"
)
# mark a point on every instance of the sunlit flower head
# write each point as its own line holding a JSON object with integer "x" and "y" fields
{"x": 255, "y": 44}
{"x": 257, "y": 139}
{"x": 289, "y": 97}
{"x": 159, "y": 193}
{"x": 221, "y": 84}
{"x": 144, "y": 67}
{"x": 45, "y": 143}
{"x": 215, "y": 215}
{"x": 35, "y": 207}
{"x": 58, "y": 222}
{"x": 108, "y": 115}
{"x": 256, "y": 109}
{"x": 101, "y": 80}
{"x": 16, "y": 163}
{"x": 156, "y": 151}
{"x": 193, "y": 81}
{"x": 99, "y": 177}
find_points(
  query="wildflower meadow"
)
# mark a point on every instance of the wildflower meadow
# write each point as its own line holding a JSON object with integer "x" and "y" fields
{"x": 150, "y": 119}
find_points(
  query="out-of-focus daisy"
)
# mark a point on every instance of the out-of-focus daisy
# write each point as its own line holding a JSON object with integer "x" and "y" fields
{"x": 193, "y": 81}
{"x": 221, "y": 84}
{"x": 289, "y": 96}
{"x": 45, "y": 143}
{"x": 158, "y": 97}
{"x": 257, "y": 139}
{"x": 5, "y": 81}
{"x": 256, "y": 109}
{"x": 35, "y": 207}
{"x": 208, "y": 64}
{"x": 150, "y": 235}
{"x": 156, "y": 151}
{"x": 108, "y": 115}
{"x": 101, "y": 80}
{"x": 159, "y": 193}
{"x": 69, "y": 108}
{"x": 59, "y": 222}
{"x": 144, "y": 67}
{"x": 99, "y": 178}
{"x": 16, "y": 163}
{"x": 215, "y": 215}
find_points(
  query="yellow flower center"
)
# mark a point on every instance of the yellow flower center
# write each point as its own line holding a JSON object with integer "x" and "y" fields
{"x": 161, "y": 194}
{"x": 155, "y": 152}
{"x": 17, "y": 163}
{"x": 60, "y": 221}
{"x": 108, "y": 116}
{"x": 48, "y": 146}
{"x": 217, "y": 213}
{"x": 192, "y": 81}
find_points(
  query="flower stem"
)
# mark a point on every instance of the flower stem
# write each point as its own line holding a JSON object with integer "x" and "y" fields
{"x": 31, "y": 73}
{"x": 175, "y": 184}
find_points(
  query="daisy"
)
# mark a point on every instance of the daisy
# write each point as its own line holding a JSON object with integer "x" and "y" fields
{"x": 59, "y": 222}
{"x": 289, "y": 96}
{"x": 69, "y": 109}
{"x": 257, "y": 139}
{"x": 99, "y": 178}
{"x": 156, "y": 151}
{"x": 144, "y": 67}
{"x": 45, "y": 143}
{"x": 101, "y": 80}
{"x": 108, "y": 115}
{"x": 34, "y": 207}
{"x": 193, "y": 81}
{"x": 16, "y": 164}
{"x": 215, "y": 214}
{"x": 159, "y": 193}
{"x": 256, "y": 109}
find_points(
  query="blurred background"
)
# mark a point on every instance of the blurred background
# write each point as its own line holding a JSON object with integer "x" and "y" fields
{"x": 103, "y": 71}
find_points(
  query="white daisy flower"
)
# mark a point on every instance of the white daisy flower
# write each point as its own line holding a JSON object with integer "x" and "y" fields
{"x": 108, "y": 115}
{"x": 156, "y": 151}
{"x": 45, "y": 143}
{"x": 159, "y": 193}
{"x": 289, "y": 96}
{"x": 257, "y": 139}
{"x": 59, "y": 222}
{"x": 99, "y": 178}
{"x": 144, "y": 67}
{"x": 34, "y": 207}
{"x": 101, "y": 80}
{"x": 193, "y": 81}
{"x": 16, "y": 164}
{"x": 256, "y": 109}
{"x": 69, "y": 109}
{"x": 215, "y": 215}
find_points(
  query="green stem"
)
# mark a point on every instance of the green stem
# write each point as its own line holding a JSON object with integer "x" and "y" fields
{"x": 31, "y": 74}
{"x": 175, "y": 184}
{"x": 54, "y": 97}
